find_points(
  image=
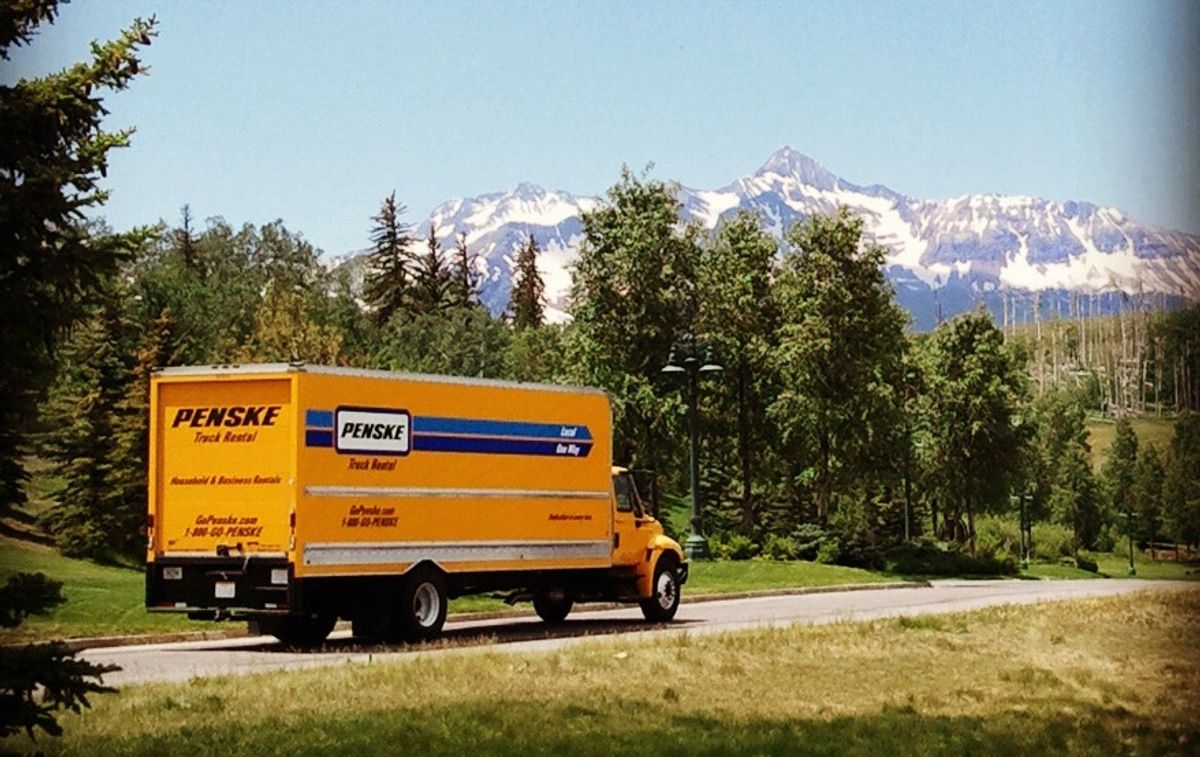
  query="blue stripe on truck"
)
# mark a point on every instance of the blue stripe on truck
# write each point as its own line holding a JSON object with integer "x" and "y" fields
{"x": 429, "y": 443}
{"x": 484, "y": 427}
{"x": 318, "y": 418}
{"x": 477, "y": 435}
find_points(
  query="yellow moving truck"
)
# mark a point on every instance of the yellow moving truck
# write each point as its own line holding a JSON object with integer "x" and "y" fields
{"x": 294, "y": 495}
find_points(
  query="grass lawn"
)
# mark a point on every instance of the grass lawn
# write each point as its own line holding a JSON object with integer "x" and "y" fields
{"x": 1094, "y": 677}
{"x": 1117, "y": 566}
{"x": 728, "y": 576}
{"x": 101, "y": 600}
{"x": 1101, "y": 432}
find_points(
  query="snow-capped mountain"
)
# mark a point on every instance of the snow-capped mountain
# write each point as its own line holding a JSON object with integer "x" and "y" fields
{"x": 944, "y": 254}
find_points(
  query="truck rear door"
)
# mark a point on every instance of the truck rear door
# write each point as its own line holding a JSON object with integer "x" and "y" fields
{"x": 223, "y": 453}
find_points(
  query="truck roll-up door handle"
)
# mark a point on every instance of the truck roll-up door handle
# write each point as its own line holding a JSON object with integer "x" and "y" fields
{"x": 616, "y": 541}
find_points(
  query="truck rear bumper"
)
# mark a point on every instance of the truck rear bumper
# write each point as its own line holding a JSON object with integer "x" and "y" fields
{"x": 215, "y": 587}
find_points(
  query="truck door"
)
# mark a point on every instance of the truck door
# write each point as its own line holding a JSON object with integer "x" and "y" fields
{"x": 629, "y": 536}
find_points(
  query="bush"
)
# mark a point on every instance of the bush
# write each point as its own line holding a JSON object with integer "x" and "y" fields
{"x": 1087, "y": 563}
{"x": 997, "y": 537}
{"x": 808, "y": 538}
{"x": 829, "y": 552}
{"x": 928, "y": 559}
{"x": 1052, "y": 541}
{"x": 779, "y": 548}
{"x": 740, "y": 548}
{"x": 1109, "y": 540}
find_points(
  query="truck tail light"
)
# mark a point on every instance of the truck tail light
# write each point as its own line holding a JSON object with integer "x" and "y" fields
{"x": 150, "y": 532}
{"x": 291, "y": 530}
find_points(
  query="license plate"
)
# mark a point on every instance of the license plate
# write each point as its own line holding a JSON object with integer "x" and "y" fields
{"x": 225, "y": 589}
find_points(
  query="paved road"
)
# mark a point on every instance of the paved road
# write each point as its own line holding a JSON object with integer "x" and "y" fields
{"x": 185, "y": 660}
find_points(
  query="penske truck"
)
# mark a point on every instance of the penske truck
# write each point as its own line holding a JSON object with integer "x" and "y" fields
{"x": 292, "y": 495}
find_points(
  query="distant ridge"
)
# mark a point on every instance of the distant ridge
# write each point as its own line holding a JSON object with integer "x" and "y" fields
{"x": 944, "y": 255}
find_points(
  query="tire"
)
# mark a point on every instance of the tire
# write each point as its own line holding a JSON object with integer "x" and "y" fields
{"x": 297, "y": 630}
{"x": 421, "y": 611}
{"x": 552, "y": 606}
{"x": 661, "y": 606}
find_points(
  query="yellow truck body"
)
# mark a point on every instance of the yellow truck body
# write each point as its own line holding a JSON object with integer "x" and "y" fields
{"x": 293, "y": 495}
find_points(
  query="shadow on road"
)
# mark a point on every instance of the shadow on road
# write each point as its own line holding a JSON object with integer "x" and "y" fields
{"x": 524, "y": 629}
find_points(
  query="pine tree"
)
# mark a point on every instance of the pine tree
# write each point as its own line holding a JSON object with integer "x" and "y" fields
{"x": 1146, "y": 495}
{"x": 386, "y": 286}
{"x": 1118, "y": 470}
{"x": 464, "y": 291}
{"x": 52, "y": 261}
{"x": 528, "y": 300}
{"x": 432, "y": 280}
{"x": 88, "y": 520}
{"x": 157, "y": 348}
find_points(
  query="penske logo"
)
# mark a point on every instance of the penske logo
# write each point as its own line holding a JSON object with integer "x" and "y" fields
{"x": 372, "y": 431}
{"x": 234, "y": 416}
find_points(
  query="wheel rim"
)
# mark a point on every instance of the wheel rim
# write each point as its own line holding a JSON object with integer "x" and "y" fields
{"x": 666, "y": 590}
{"x": 427, "y": 605}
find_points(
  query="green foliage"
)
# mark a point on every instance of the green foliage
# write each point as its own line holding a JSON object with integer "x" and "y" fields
{"x": 91, "y": 518}
{"x": 973, "y": 434}
{"x": 433, "y": 281}
{"x": 778, "y": 547}
{"x": 26, "y": 594}
{"x": 1050, "y": 541}
{"x": 808, "y": 538}
{"x": 386, "y": 286}
{"x": 536, "y": 354}
{"x": 738, "y": 547}
{"x": 53, "y": 262}
{"x": 1146, "y": 495}
{"x": 737, "y": 318}
{"x": 632, "y": 295}
{"x": 840, "y": 358}
{"x": 924, "y": 558}
{"x": 1117, "y": 472}
{"x": 528, "y": 300}
{"x": 461, "y": 342}
{"x": 998, "y": 536}
{"x": 464, "y": 285}
{"x": 37, "y": 680}
{"x": 1083, "y": 562}
{"x": 1181, "y": 488}
{"x": 829, "y": 552}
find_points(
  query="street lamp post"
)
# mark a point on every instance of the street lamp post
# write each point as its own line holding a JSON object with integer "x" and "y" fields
{"x": 684, "y": 359}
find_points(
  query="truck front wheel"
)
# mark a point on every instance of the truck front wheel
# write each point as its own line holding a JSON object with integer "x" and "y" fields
{"x": 423, "y": 604}
{"x": 552, "y": 606}
{"x": 663, "y": 601}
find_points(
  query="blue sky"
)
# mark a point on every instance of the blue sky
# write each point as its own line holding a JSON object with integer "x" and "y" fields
{"x": 312, "y": 112}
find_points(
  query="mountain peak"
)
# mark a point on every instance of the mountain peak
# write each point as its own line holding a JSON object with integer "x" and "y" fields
{"x": 528, "y": 191}
{"x": 788, "y": 162}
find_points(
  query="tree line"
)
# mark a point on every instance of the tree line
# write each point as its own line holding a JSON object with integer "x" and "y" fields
{"x": 832, "y": 425}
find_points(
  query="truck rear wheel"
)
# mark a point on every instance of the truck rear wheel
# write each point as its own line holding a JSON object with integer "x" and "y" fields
{"x": 663, "y": 601}
{"x": 423, "y": 604}
{"x": 552, "y": 606}
{"x": 296, "y": 630}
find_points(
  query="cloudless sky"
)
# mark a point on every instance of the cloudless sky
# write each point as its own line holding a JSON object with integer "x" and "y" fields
{"x": 313, "y": 112}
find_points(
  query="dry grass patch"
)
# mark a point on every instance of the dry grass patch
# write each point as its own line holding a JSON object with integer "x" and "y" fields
{"x": 1106, "y": 676}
